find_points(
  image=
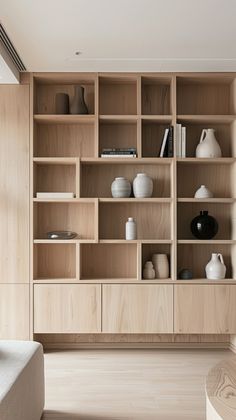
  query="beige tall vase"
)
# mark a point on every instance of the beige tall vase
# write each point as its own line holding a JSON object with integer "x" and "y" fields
{"x": 161, "y": 266}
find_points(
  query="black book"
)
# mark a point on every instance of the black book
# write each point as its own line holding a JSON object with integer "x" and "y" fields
{"x": 170, "y": 142}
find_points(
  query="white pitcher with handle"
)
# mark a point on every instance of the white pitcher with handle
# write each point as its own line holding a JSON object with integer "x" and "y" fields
{"x": 208, "y": 146}
{"x": 215, "y": 269}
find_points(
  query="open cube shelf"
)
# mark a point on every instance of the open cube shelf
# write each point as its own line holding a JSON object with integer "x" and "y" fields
{"x": 54, "y": 261}
{"x": 54, "y": 178}
{"x": 156, "y": 95}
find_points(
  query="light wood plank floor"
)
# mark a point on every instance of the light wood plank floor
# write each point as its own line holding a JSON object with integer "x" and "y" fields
{"x": 128, "y": 384}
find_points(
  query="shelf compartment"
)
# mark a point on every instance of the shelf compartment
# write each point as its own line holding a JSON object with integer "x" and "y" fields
{"x": 225, "y": 134}
{"x": 63, "y": 140}
{"x": 222, "y": 212}
{"x": 76, "y": 217}
{"x": 54, "y": 178}
{"x": 54, "y": 261}
{"x": 196, "y": 256}
{"x": 45, "y": 94}
{"x": 153, "y": 220}
{"x": 96, "y": 179}
{"x": 220, "y": 180}
{"x": 118, "y": 95}
{"x": 156, "y": 93}
{"x": 108, "y": 261}
{"x": 152, "y": 136}
{"x": 204, "y": 95}
{"x": 151, "y": 248}
{"x": 121, "y": 134}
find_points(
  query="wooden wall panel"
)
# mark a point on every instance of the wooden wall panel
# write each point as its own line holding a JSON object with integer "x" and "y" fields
{"x": 14, "y": 312}
{"x": 14, "y": 184}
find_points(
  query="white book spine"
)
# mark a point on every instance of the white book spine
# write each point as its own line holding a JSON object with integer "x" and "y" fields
{"x": 183, "y": 132}
{"x": 118, "y": 156}
{"x": 178, "y": 140}
{"x": 164, "y": 142}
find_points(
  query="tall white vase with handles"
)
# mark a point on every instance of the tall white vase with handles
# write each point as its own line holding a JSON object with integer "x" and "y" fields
{"x": 215, "y": 269}
{"x": 208, "y": 146}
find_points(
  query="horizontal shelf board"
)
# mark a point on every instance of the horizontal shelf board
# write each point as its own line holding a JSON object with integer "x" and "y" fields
{"x": 55, "y": 160}
{"x": 206, "y": 200}
{"x": 64, "y": 119}
{"x": 65, "y": 200}
{"x": 110, "y": 280}
{"x": 198, "y": 119}
{"x": 128, "y": 161}
{"x": 65, "y": 241}
{"x": 222, "y": 160}
{"x": 141, "y": 241}
{"x": 205, "y": 281}
{"x": 71, "y": 78}
{"x": 118, "y": 119}
{"x": 135, "y": 200}
{"x": 156, "y": 118}
{"x": 207, "y": 241}
{"x": 66, "y": 280}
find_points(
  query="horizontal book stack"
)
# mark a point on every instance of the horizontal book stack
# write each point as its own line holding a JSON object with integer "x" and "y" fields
{"x": 129, "y": 152}
{"x": 180, "y": 141}
{"x": 167, "y": 144}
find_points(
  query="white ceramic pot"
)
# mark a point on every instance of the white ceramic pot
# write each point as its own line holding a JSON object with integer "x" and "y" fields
{"x": 130, "y": 229}
{"x": 120, "y": 187}
{"x": 203, "y": 192}
{"x": 148, "y": 271}
{"x": 215, "y": 269}
{"x": 208, "y": 146}
{"x": 161, "y": 266}
{"x": 142, "y": 186}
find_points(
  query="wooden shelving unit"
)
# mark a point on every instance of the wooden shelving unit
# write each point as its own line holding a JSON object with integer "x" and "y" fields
{"x": 128, "y": 110}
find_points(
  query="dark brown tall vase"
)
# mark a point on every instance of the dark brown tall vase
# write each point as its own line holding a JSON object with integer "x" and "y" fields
{"x": 78, "y": 105}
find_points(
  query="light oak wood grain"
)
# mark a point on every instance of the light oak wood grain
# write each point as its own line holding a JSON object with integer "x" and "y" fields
{"x": 14, "y": 184}
{"x": 118, "y": 97}
{"x": 206, "y": 309}
{"x": 65, "y": 308}
{"x": 155, "y": 96}
{"x": 14, "y": 311}
{"x": 128, "y": 385}
{"x": 54, "y": 261}
{"x": 137, "y": 308}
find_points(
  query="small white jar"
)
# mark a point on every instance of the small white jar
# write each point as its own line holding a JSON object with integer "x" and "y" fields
{"x": 203, "y": 192}
{"x": 130, "y": 230}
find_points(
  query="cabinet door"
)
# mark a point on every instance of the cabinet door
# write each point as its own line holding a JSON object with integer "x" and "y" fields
{"x": 14, "y": 312}
{"x": 67, "y": 308}
{"x": 137, "y": 308}
{"x": 205, "y": 309}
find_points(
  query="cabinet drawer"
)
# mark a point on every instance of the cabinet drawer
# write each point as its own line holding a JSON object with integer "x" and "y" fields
{"x": 143, "y": 308}
{"x": 205, "y": 309}
{"x": 67, "y": 308}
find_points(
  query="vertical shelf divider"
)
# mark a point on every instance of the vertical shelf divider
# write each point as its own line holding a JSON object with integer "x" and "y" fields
{"x": 139, "y": 260}
{"x": 78, "y": 178}
{"x": 96, "y": 221}
{"x": 96, "y": 123}
{"x": 78, "y": 261}
{"x": 174, "y": 181}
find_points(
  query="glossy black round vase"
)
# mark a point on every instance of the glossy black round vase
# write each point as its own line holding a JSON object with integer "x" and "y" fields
{"x": 204, "y": 226}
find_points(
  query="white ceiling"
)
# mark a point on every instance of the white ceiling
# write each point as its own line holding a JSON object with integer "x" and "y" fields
{"x": 123, "y": 35}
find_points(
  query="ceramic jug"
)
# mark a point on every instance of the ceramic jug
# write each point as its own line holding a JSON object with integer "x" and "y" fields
{"x": 208, "y": 146}
{"x": 215, "y": 269}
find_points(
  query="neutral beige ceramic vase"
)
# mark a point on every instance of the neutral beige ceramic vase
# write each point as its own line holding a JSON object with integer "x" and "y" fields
{"x": 161, "y": 266}
{"x": 208, "y": 146}
{"x": 148, "y": 271}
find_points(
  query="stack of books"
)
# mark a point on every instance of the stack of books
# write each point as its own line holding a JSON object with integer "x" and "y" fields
{"x": 167, "y": 149}
{"x": 128, "y": 152}
{"x": 180, "y": 141}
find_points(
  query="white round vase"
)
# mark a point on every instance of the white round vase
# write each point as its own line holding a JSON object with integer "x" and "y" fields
{"x": 142, "y": 186}
{"x": 215, "y": 269}
{"x": 203, "y": 192}
{"x": 120, "y": 188}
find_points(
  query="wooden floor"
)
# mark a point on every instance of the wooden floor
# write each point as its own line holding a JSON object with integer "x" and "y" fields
{"x": 128, "y": 384}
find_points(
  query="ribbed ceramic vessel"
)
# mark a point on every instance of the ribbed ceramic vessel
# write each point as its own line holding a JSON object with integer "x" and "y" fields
{"x": 148, "y": 271}
{"x": 203, "y": 192}
{"x": 161, "y": 266}
{"x": 142, "y": 186}
{"x": 120, "y": 188}
{"x": 216, "y": 269}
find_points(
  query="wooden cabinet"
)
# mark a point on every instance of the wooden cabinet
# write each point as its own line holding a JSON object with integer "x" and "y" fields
{"x": 204, "y": 309}
{"x": 143, "y": 308}
{"x": 14, "y": 312}
{"x": 67, "y": 308}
